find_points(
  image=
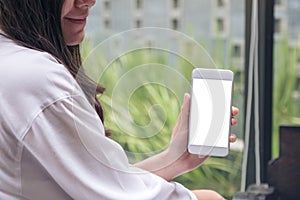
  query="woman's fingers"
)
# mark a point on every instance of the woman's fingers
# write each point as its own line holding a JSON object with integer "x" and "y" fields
{"x": 234, "y": 111}
{"x": 233, "y": 121}
{"x": 183, "y": 119}
{"x": 232, "y": 138}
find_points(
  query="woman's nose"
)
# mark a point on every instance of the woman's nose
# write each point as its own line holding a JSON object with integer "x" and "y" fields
{"x": 85, "y": 3}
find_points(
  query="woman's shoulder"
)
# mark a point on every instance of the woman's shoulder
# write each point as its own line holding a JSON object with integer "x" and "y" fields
{"x": 25, "y": 69}
{"x": 30, "y": 81}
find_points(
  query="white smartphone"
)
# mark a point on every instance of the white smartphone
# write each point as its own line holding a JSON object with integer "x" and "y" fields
{"x": 210, "y": 112}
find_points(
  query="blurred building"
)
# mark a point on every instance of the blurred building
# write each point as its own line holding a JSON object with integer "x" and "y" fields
{"x": 204, "y": 20}
{"x": 207, "y": 21}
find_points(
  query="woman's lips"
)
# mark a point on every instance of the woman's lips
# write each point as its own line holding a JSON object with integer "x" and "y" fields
{"x": 77, "y": 21}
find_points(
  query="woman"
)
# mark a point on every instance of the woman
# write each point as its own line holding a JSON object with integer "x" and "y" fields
{"x": 52, "y": 141}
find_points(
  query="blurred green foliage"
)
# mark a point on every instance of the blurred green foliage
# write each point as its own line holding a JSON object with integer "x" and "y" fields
{"x": 142, "y": 116}
{"x": 286, "y": 102}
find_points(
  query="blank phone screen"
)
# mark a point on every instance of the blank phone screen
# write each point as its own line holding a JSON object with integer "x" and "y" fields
{"x": 210, "y": 112}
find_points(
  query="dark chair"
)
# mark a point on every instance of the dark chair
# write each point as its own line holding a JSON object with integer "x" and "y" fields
{"x": 284, "y": 172}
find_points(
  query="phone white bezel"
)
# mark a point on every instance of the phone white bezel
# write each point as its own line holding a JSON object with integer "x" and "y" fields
{"x": 216, "y": 74}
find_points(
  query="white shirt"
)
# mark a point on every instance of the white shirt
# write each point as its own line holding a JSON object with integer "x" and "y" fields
{"x": 52, "y": 143}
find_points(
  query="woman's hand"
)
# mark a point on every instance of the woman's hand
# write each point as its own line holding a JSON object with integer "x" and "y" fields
{"x": 176, "y": 160}
{"x": 182, "y": 160}
{"x": 207, "y": 195}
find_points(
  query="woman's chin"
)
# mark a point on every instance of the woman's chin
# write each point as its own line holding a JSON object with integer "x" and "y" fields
{"x": 75, "y": 40}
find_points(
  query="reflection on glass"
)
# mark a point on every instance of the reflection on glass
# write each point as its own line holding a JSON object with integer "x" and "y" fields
{"x": 217, "y": 28}
{"x": 286, "y": 98}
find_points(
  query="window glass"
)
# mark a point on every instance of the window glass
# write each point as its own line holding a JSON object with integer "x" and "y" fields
{"x": 138, "y": 23}
{"x": 220, "y": 3}
{"x": 220, "y": 25}
{"x": 278, "y": 2}
{"x": 237, "y": 51}
{"x": 106, "y": 23}
{"x": 146, "y": 71}
{"x": 139, "y": 4}
{"x": 175, "y": 24}
{"x": 175, "y": 3}
{"x": 107, "y": 5}
{"x": 277, "y": 26}
{"x": 286, "y": 98}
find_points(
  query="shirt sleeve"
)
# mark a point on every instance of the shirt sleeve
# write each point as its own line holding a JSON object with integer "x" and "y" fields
{"x": 67, "y": 139}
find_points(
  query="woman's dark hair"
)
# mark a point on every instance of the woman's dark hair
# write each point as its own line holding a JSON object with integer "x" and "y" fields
{"x": 36, "y": 24}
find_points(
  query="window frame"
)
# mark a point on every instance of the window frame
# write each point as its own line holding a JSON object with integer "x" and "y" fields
{"x": 265, "y": 66}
